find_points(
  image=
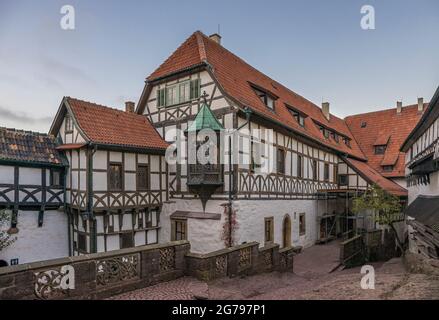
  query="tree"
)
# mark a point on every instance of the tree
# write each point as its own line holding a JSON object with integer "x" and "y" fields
{"x": 5, "y": 238}
{"x": 387, "y": 208}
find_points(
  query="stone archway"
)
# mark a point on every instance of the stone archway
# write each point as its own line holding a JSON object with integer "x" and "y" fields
{"x": 286, "y": 231}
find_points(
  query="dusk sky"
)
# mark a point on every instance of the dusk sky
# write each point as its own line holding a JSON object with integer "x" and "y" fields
{"x": 316, "y": 48}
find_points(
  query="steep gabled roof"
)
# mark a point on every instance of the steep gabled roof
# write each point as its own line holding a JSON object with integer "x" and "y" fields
{"x": 374, "y": 177}
{"x": 32, "y": 148}
{"x": 237, "y": 78}
{"x": 112, "y": 127}
{"x": 384, "y": 127}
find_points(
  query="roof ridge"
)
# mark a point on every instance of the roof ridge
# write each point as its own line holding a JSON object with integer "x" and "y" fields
{"x": 171, "y": 56}
{"x": 201, "y": 48}
{"x": 265, "y": 75}
{"x": 25, "y": 131}
{"x": 94, "y": 104}
{"x": 383, "y": 110}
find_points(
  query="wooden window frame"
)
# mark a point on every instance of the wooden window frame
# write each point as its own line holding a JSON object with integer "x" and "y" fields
{"x": 194, "y": 93}
{"x": 302, "y": 224}
{"x": 340, "y": 178}
{"x": 280, "y": 165}
{"x": 315, "y": 173}
{"x": 52, "y": 184}
{"x": 68, "y": 124}
{"x": 148, "y": 178}
{"x": 174, "y": 231}
{"x": 121, "y": 240}
{"x": 299, "y": 166}
{"x": 84, "y": 249}
{"x": 269, "y": 234}
{"x": 122, "y": 180}
{"x": 380, "y": 149}
{"x": 326, "y": 172}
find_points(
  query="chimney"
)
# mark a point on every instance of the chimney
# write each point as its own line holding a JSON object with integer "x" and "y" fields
{"x": 325, "y": 110}
{"x": 129, "y": 106}
{"x": 398, "y": 107}
{"x": 215, "y": 37}
{"x": 420, "y": 104}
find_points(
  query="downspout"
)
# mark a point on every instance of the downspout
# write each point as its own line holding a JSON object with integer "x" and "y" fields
{"x": 247, "y": 112}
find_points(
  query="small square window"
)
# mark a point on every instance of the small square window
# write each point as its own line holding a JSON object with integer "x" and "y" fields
{"x": 179, "y": 230}
{"x": 126, "y": 240}
{"x": 56, "y": 178}
{"x": 343, "y": 179}
{"x": 380, "y": 149}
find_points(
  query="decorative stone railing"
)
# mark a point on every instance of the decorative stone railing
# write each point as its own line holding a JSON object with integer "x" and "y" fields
{"x": 100, "y": 275}
{"x": 245, "y": 259}
{"x": 95, "y": 276}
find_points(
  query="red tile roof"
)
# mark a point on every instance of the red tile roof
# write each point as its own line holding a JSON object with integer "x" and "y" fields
{"x": 109, "y": 126}
{"x": 29, "y": 147}
{"x": 236, "y": 76}
{"x": 372, "y": 176}
{"x": 381, "y": 127}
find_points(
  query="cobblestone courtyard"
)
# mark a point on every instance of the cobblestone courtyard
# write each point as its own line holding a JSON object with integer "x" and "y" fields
{"x": 312, "y": 279}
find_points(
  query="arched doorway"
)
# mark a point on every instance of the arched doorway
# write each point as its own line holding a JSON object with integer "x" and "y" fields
{"x": 286, "y": 231}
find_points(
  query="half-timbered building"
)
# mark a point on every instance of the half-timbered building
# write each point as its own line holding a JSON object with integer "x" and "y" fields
{"x": 32, "y": 194}
{"x": 314, "y": 154}
{"x": 116, "y": 182}
{"x": 422, "y": 175}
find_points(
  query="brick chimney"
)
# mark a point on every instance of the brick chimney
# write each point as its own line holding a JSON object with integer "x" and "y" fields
{"x": 398, "y": 107}
{"x": 215, "y": 37}
{"x": 325, "y": 110}
{"x": 129, "y": 106}
{"x": 420, "y": 104}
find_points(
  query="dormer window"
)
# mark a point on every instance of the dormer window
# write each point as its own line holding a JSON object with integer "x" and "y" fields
{"x": 335, "y": 136}
{"x": 380, "y": 149}
{"x": 298, "y": 116}
{"x": 347, "y": 142}
{"x": 387, "y": 168}
{"x": 265, "y": 98}
{"x": 324, "y": 132}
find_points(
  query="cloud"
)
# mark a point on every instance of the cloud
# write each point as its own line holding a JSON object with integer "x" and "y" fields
{"x": 61, "y": 69}
{"x": 21, "y": 117}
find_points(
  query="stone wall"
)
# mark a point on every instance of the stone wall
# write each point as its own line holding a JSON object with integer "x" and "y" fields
{"x": 100, "y": 275}
{"x": 245, "y": 259}
{"x": 95, "y": 276}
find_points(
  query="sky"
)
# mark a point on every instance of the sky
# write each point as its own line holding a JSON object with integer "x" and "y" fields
{"x": 316, "y": 48}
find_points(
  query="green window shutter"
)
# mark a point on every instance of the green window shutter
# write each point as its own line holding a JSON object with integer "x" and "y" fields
{"x": 195, "y": 89}
{"x": 161, "y": 97}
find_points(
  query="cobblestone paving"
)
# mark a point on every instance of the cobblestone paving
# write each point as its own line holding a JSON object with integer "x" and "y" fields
{"x": 312, "y": 279}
